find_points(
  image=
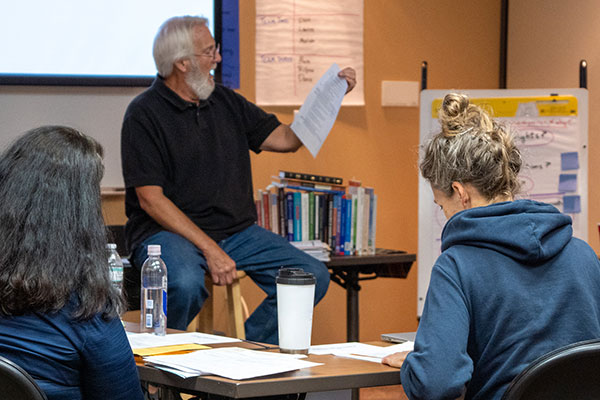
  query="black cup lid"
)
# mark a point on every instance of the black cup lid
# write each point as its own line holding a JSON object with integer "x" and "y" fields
{"x": 295, "y": 276}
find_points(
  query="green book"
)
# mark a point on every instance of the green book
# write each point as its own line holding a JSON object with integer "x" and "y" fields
{"x": 311, "y": 215}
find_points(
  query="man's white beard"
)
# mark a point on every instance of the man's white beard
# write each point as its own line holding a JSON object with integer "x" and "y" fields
{"x": 199, "y": 82}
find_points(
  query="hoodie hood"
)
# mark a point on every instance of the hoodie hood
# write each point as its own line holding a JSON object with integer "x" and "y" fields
{"x": 525, "y": 230}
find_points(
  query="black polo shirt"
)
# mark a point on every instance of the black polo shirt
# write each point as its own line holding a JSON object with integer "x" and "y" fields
{"x": 198, "y": 154}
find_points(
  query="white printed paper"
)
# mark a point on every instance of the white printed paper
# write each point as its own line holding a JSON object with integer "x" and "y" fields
{"x": 145, "y": 340}
{"x": 231, "y": 362}
{"x": 315, "y": 119}
{"x": 361, "y": 351}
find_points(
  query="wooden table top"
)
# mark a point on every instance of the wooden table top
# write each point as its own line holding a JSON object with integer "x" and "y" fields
{"x": 336, "y": 373}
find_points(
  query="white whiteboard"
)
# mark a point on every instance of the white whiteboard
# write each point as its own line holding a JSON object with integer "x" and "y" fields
{"x": 551, "y": 127}
{"x": 95, "y": 111}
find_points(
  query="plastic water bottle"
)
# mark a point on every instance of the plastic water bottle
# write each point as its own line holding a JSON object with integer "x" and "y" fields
{"x": 116, "y": 266}
{"x": 154, "y": 293}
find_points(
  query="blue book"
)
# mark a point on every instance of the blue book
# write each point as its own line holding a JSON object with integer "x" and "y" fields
{"x": 289, "y": 205}
{"x": 297, "y": 216}
{"x": 342, "y": 225}
{"x": 348, "y": 234}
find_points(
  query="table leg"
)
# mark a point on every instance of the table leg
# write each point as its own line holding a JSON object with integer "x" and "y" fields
{"x": 352, "y": 318}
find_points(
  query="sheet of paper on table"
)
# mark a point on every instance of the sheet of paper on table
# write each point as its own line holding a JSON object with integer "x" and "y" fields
{"x": 230, "y": 362}
{"x": 361, "y": 351}
{"x": 144, "y": 340}
{"x": 177, "y": 348}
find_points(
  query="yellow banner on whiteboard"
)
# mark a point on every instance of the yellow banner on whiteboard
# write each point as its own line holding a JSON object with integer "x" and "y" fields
{"x": 540, "y": 106}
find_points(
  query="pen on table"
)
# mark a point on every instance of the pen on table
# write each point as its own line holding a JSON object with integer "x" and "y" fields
{"x": 366, "y": 355}
{"x": 263, "y": 346}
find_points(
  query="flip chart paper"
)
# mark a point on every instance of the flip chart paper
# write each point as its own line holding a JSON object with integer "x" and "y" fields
{"x": 297, "y": 41}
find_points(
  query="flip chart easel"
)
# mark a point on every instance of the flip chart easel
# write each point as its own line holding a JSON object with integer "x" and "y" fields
{"x": 551, "y": 130}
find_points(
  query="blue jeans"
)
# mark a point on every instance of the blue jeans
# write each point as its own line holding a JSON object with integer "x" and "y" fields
{"x": 256, "y": 251}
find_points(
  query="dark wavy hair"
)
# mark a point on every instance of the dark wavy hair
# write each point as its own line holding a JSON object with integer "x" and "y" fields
{"x": 52, "y": 235}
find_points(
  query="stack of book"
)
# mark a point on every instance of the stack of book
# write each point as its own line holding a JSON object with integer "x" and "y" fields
{"x": 306, "y": 207}
{"x": 315, "y": 248}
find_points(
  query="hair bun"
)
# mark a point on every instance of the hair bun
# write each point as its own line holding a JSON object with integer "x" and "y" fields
{"x": 455, "y": 104}
{"x": 457, "y": 115}
{"x": 454, "y": 115}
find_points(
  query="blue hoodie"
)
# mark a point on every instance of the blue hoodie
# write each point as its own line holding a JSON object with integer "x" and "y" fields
{"x": 510, "y": 285}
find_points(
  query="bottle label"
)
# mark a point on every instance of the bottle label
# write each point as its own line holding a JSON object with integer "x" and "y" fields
{"x": 116, "y": 275}
{"x": 150, "y": 304}
{"x": 164, "y": 292}
{"x": 148, "y": 320}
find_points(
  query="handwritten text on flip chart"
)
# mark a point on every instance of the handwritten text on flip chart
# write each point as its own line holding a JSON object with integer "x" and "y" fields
{"x": 297, "y": 41}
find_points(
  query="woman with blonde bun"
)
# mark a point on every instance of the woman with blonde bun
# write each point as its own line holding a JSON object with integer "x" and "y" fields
{"x": 511, "y": 284}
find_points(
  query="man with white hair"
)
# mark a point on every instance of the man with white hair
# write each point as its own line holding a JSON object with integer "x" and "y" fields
{"x": 185, "y": 152}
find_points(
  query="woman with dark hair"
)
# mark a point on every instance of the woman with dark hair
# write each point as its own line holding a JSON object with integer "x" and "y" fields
{"x": 511, "y": 284}
{"x": 58, "y": 310}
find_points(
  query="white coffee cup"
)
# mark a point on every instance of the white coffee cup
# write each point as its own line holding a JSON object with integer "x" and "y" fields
{"x": 295, "y": 302}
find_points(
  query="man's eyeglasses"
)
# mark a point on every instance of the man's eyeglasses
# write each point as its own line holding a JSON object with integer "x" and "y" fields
{"x": 211, "y": 53}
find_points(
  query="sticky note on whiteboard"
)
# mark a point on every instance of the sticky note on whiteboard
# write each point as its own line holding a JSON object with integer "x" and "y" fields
{"x": 571, "y": 204}
{"x": 567, "y": 183}
{"x": 400, "y": 93}
{"x": 569, "y": 160}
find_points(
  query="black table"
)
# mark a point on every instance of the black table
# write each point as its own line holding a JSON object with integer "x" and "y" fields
{"x": 348, "y": 271}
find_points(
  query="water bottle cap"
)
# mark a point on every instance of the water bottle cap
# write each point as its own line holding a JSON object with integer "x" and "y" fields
{"x": 154, "y": 249}
{"x": 111, "y": 246}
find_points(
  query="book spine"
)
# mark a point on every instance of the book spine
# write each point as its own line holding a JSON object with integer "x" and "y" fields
{"x": 297, "y": 216}
{"x": 282, "y": 212}
{"x": 325, "y": 235}
{"x": 330, "y": 233}
{"x": 337, "y": 205}
{"x": 365, "y": 225}
{"x": 274, "y": 213}
{"x": 311, "y": 177}
{"x": 359, "y": 223}
{"x": 322, "y": 209}
{"x": 289, "y": 202}
{"x": 348, "y": 231}
{"x": 353, "y": 227}
{"x": 260, "y": 209}
{"x": 266, "y": 210}
{"x": 334, "y": 222}
{"x": 318, "y": 217}
{"x": 311, "y": 215}
{"x": 258, "y": 212}
{"x": 314, "y": 185}
{"x": 373, "y": 225}
{"x": 312, "y": 189}
{"x": 304, "y": 213}
{"x": 342, "y": 225}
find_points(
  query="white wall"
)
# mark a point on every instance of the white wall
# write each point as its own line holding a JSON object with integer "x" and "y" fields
{"x": 95, "y": 111}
